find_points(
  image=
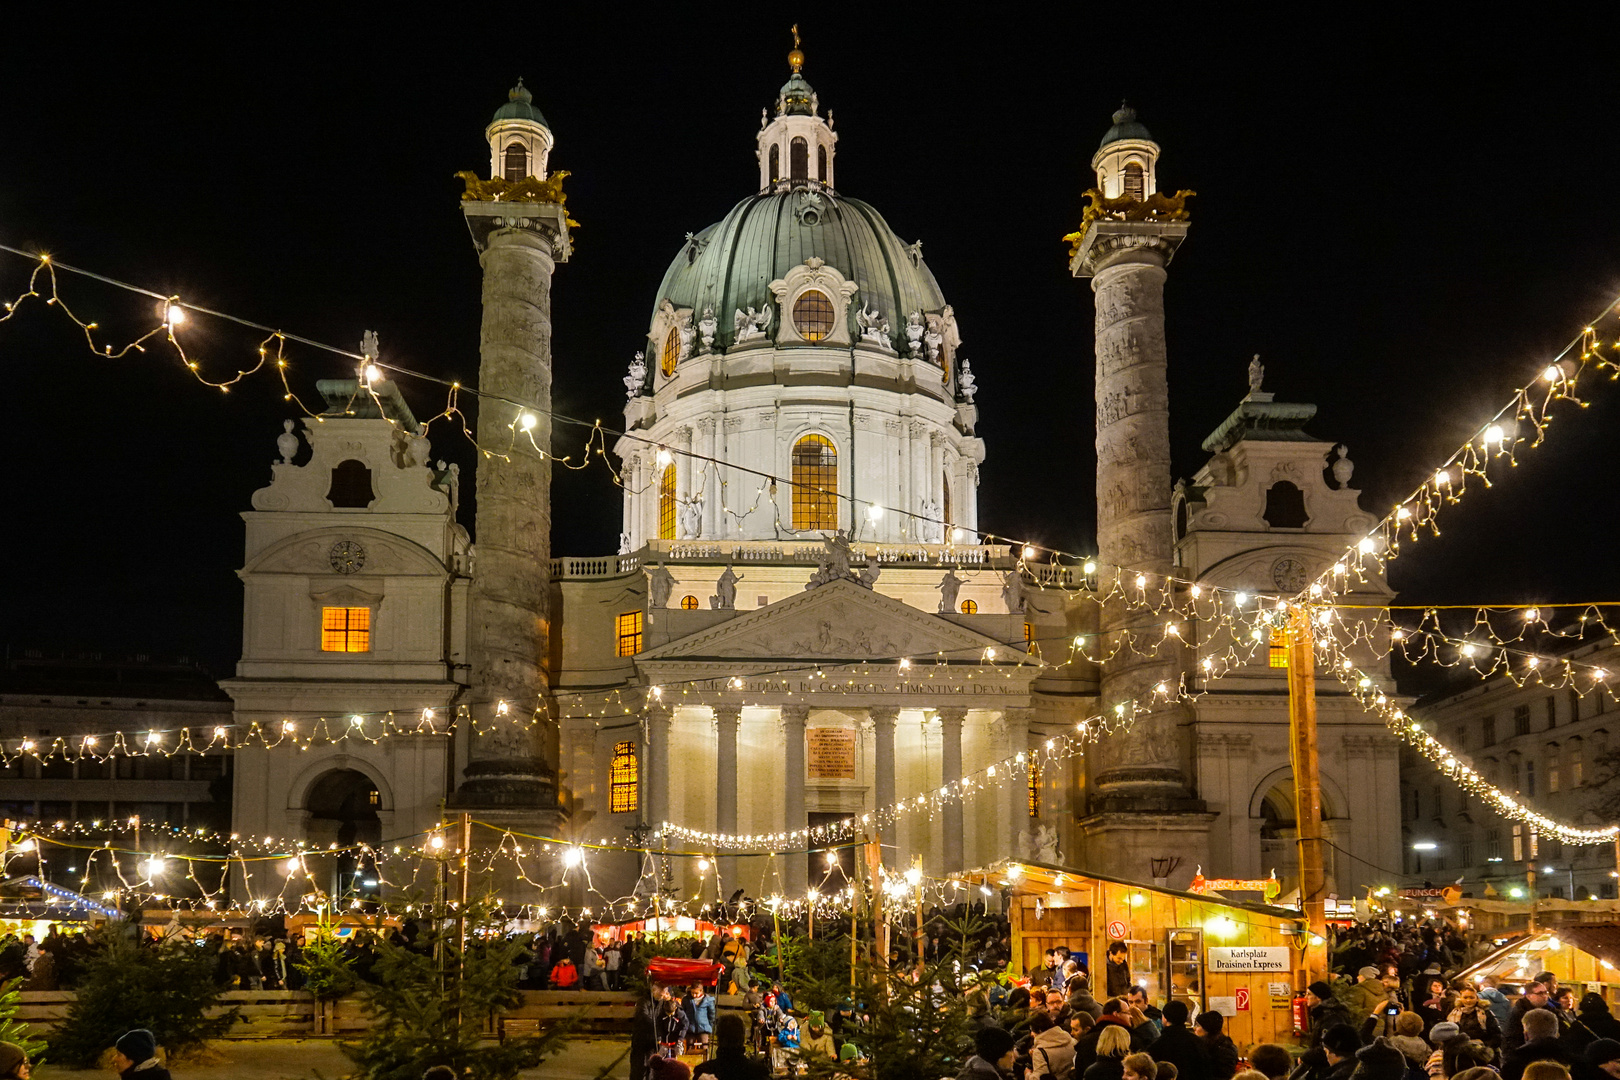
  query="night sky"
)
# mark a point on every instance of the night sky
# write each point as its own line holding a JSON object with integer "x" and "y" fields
{"x": 1403, "y": 220}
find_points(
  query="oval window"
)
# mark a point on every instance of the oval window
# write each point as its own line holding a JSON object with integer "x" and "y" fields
{"x": 970, "y": 607}
{"x": 689, "y": 603}
{"x": 813, "y": 315}
{"x": 671, "y": 354}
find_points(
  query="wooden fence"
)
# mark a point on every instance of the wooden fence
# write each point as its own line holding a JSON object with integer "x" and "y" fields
{"x": 283, "y": 1014}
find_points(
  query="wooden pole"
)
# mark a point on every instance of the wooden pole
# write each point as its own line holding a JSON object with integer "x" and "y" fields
{"x": 1307, "y": 782}
{"x": 880, "y": 924}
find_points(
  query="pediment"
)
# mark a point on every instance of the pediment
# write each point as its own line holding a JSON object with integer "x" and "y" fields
{"x": 837, "y": 621}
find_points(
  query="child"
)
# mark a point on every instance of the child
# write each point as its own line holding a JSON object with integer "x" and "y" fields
{"x": 671, "y": 1026}
{"x": 785, "y": 1055}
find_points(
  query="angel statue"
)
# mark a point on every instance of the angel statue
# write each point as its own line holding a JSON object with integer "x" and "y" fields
{"x": 691, "y": 517}
{"x": 874, "y": 327}
{"x": 637, "y": 379}
{"x": 1257, "y": 374}
{"x": 750, "y": 324}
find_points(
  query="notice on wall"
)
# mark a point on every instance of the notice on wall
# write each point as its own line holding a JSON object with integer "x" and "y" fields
{"x": 1226, "y": 1006}
{"x": 1255, "y": 958}
{"x": 831, "y": 753}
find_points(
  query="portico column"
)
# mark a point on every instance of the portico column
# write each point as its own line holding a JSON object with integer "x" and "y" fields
{"x": 950, "y": 725}
{"x": 796, "y": 867}
{"x": 725, "y": 773}
{"x": 883, "y": 720}
{"x": 658, "y": 717}
{"x": 1016, "y": 722}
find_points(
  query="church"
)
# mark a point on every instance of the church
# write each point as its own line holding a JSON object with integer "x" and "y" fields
{"x": 805, "y": 621}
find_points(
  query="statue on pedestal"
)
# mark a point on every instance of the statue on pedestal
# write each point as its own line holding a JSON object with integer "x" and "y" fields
{"x": 949, "y": 586}
{"x": 725, "y": 590}
{"x": 660, "y": 583}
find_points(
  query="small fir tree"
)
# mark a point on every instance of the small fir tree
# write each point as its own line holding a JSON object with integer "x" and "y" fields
{"x": 429, "y": 1004}
{"x": 165, "y": 986}
{"x": 13, "y": 1030}
{"x": 328, "y": 972}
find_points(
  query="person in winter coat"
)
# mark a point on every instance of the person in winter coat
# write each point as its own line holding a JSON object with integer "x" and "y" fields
{"x": 644, "y": 1030}
{"x": 1408, "y": 1038}
{"x": 1113, "y": 1045}
{"x": 1119, "y": 969}
{"x": 1536, "y": 996}
{"x": 1221, "y": 1051}
{"x": 565, "y": 976}
{"x": 1051, "y": 1052}
{"x": 1080, "y": 998}
{"x": 1380, "y": 1061}
{"x": 1179, "y": 1046}
{"x": 1602, "y": 1059}
{"x": 700, "y": 1014}
{"x": 731, "y": 1060}
{"x": 135, "y": 1057}
{"x": 817, "y": 1038}
{"x": 1432, "y": 1001}
{"x": 994, "y": 1051}
{"x": 671, "y": 1028}
{"x": 1115, "y": 1014}
{"x": 1592, "y": 1021}
{"x": 1475, "y": 1020}
{"x": 1540, "y": 1044}
{"x": 1496, "y": 1001}
{"x": 1367, "y": 996}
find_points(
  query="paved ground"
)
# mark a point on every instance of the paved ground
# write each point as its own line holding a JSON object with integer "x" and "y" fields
{"x": 303, "y": 1059}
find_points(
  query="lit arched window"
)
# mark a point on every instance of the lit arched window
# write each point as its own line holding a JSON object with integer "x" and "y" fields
{"x": 821, "y": 164}
{"x": 517, "y": 161}
{"x": 970, "y": 607}
{"x": 622, "y": 779}
{"x": 776, "y": 163}
{"x": 798, "y": 160}
{"x": 689, "y": 603}
{"x": 1285, "y": 506}
{"x": 945, "y": 506}
{"x": 671, "y": 353}
{"x": 815, "y": 484}
{"x": 1135, "y": 181}
{"x": 666, "y": 503}
{"x": 1034, "y": 788}
{"x": 813, "y": 315}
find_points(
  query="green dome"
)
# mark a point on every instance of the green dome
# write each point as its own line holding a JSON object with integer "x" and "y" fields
{"x": 730, "y": 265}
{"x": 520, "y": 106}
{"x": 1125, "y": 126}
{"x": 796, "y": 98}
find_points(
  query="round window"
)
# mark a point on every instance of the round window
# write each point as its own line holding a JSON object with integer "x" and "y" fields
{"x": 970, "y": 607}
{"x": 813, "y": 315}
{"x": 671, "y": 354}
{"x": 689, "y": 603}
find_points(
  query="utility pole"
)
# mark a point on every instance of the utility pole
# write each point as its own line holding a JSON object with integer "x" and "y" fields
{"x": 1307, "y": 780}
{"x": 461, "y": 911}
{"x": 880, "y": 924}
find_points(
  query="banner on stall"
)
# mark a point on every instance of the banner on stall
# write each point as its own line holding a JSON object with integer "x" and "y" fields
{"x": 1252, "y": 958}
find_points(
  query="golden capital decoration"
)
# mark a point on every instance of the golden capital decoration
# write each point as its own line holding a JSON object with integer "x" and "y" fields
{"x": 1156, "y": 207}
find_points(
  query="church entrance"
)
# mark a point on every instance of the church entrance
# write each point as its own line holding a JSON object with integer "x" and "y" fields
{"x": 342, "y": 806}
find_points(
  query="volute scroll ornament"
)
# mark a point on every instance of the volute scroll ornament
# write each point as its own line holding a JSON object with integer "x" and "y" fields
{"x": 1156, "y": 207}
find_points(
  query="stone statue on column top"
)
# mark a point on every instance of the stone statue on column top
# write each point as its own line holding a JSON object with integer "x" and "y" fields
{"x": 725, "y": 590}
{"x": 1257, "y": 374}
{"x": 660, "y": 583}
{"x": 949, "y": 586}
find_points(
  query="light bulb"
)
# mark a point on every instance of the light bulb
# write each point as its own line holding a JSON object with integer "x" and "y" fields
{"x": 1240, "y": 599}
{"x": 373, "y": 373}
{"x": 1442, "y": 478}
{"x": 173, "y": 315}
{"x": 573, "y": 857}
{"x": 1090, "y": 567}
{"x": 874, "y": 512}
{"x": 527, "y": 420}
{"x": 956, "y": 536}
{"x": 1494, "y": 434}
{"x": 1553, "y": 373}
{"x": 1366, "y": 545}
{"x": 663, "y": 458}
{"x": 1029, "y": 552}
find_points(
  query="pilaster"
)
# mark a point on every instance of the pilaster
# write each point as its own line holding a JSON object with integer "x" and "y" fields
{"x": 950, "y": 724}
{"x": 883, "y": 721}
{"x": 794, "y": 718}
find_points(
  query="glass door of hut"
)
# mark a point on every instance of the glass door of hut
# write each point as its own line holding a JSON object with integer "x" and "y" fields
{"x": 1184, "y": 967}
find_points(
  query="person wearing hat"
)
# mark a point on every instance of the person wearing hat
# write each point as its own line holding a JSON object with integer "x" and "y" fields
{"x": 135, "y": 1056}
{"x": 1602, "y": 1058}
{"x": 1179, "y": 1046}
{"x": 817, "y": 1039}
{"x": 1219, "y": 1048}
{"x": 1324, "y": 1010}
{"x": 1380, "y": 1061}
{"x": 13, "y": 1062}
{"x": 995, "y": 1050}
{"x": 1592, "y": 1021}
{"x": 1368, "y": 995}
{"x": 1339, "y": 1045}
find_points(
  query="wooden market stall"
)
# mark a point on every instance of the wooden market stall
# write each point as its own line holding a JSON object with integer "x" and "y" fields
{"x": 1244, "y": 960}
{"x": 1585, "y": 956}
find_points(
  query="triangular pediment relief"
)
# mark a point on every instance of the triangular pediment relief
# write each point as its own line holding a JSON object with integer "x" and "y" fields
{"x": 837, "y": 621}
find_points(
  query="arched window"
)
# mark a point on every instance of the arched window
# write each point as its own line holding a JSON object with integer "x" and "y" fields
{"x": 622, "y": 779}
{"x": 1285, "y": 506}
{"x": 671, "y": 354}
{"x": 813, "y": 315}
{"x": 689, "y": 602}
{"x": 815, "y": 484}
{"x": 517, "y": 161}
{"x": 945, "y": 505}
{"x": 798, "y": 160}
{"x": 666, "y": 503}
{"x": 1135, "y": 181}
{"x": 776, "y": 163}
{"x": 970, "y": 607}
{"x": 351, "y": 485}
{"x": 821, "y": 164}
{"x": 1034, "y": 781}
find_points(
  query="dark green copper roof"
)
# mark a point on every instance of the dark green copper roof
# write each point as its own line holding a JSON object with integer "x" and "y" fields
{"x": 730, "y": 265}
{"x": 1126, "y": 126}
{"x": 520, "y": 106}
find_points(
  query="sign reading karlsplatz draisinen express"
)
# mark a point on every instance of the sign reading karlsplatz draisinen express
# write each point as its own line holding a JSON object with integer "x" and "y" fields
{"x": 1256, "y": 958}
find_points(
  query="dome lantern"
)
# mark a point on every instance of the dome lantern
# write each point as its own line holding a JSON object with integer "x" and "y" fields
{"x": 1127, "y": 160}
{"x": 797, "y": 146}
{"x": 520, "y": 140}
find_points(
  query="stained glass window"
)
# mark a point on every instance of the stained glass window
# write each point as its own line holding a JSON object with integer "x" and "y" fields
{"x": 815, "y": 484}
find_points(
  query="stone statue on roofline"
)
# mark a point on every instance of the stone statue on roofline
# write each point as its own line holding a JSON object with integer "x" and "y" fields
{"x": 949, "y": 586}
{"x": 725, "y": 590}
{"x": 1257, "y": 374}
{"x": 660, "y": 583}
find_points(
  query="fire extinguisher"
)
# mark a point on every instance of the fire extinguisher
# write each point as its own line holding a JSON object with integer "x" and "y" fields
{"x": 1301, "y": 1013}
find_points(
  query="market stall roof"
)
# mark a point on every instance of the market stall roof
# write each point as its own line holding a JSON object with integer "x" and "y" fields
{"x": 34, "y": 897}
{"x": 1552, "y": 950}
{"x": 1052, "y": 878}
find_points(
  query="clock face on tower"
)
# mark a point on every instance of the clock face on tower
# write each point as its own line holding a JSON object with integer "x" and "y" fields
{"x": 1289, "y": 575}
{"x": 347, "y": 556}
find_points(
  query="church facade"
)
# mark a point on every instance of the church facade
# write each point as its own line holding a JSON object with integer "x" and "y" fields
{"x": 802, "y": 622}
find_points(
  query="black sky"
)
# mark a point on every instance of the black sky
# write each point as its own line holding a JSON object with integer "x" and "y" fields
{"x": 1402, "y": 219}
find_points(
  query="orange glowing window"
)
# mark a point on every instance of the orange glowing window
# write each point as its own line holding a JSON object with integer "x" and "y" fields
{"x": 970, "y": 607}
{"x": 813, "y": 315}
{"x": 1034, "y": 789}
{"x": 1278, "y": 655}
{"x": 623, "y": 780}
{"x": 345, "y": 629}
{"x": 815, "y": 484}
{"x": 627, "y": 632}
{"x": 1029, "y": 633}
{"x": 671, "y": 354}
{"x": 689, "y": 603}
{"x": 666, "y": 504}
